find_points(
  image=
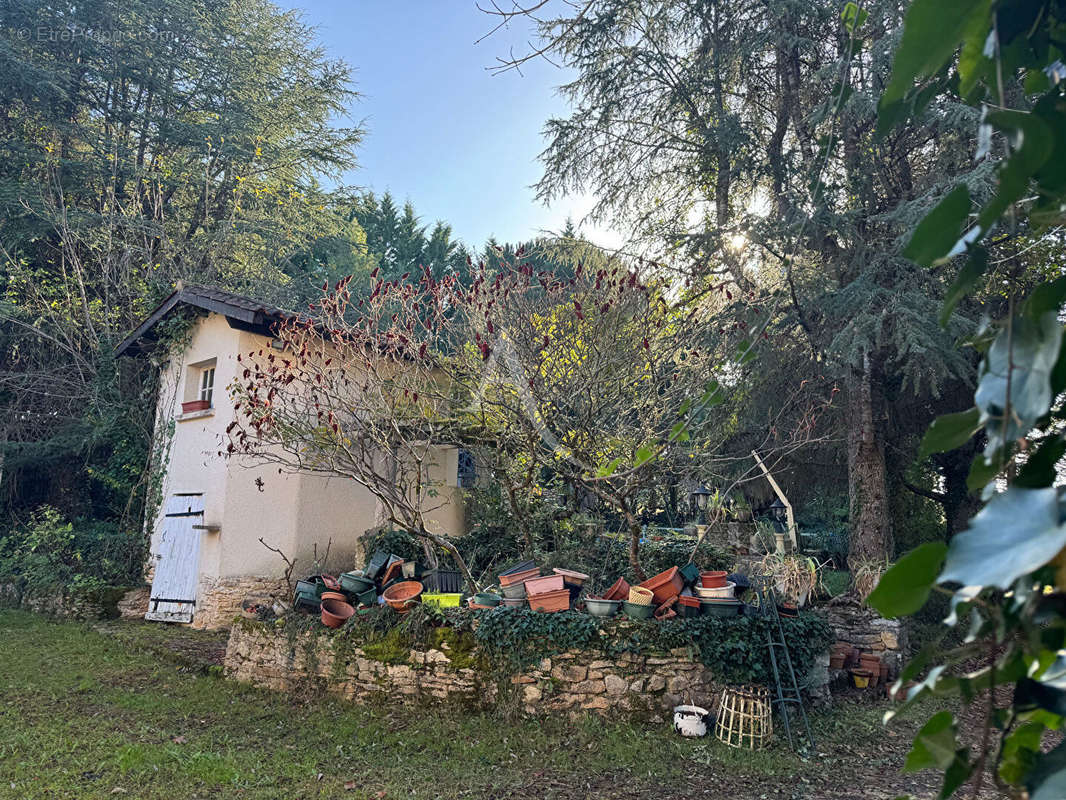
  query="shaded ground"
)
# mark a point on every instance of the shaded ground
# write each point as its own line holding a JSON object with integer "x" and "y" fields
{"x": 138, "y": 711}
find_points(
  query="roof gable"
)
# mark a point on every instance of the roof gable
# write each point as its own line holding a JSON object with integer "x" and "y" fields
{"x": 243, "y": 313}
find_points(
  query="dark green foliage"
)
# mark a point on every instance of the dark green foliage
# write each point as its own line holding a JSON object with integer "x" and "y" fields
{"x": 733, "y": 648}
{"x": 50, "y": 553}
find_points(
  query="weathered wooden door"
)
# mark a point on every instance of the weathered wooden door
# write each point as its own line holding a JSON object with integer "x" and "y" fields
{"x": 177, "y": 569}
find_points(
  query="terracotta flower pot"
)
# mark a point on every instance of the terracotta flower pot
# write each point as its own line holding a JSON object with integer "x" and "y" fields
{"x": 401, "y": 596}
{"x": 556, "y": 600}
{"x": 665, "y": 585}
{"x": 619, "y": 590}
{"x": 549, "y": 583}
{"x": 569, "y": 575}
{"x": 510, "y": 579}
{"x": 335, "y": 596}
{"x": 836, "y": 661}
{"x": 712, "y": 579}
{"x": 335, "y": 613}
{"x": 195, "y": 405}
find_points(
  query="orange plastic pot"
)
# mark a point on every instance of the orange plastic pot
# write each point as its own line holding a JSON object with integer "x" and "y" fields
{"x": 335, "y": 613}
{"x": 665, "y": 585}
{"x": 519, "y": 577}
{"x": 619, "y": 590}
{"x": 557, "y": 600}
{"x": 401, "y": 596}
{"x": 549, "y": 583}
{"x": 713, "y": 579}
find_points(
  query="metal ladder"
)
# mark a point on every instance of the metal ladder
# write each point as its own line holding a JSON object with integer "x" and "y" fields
{"x": 787, "y": 695}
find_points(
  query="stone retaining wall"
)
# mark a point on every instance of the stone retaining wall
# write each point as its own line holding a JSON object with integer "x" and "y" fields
{"x": 572, "y": 683}
{"x": 84, "y": 605}
{"x": 863, "y": 628}
{"x": 219, "y": 599}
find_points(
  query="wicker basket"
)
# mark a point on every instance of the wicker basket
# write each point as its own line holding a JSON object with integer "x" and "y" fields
{"x": 745, "y": 718}
{"x": 640, "y": 596}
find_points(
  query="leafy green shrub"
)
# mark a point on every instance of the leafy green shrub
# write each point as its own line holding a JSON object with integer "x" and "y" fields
{"x": 50, "y": 551}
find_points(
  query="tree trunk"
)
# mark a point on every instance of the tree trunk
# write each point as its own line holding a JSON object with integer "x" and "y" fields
{"x": 635, "y": 532}
{"x": 871, "y": 526}
{"x": 959, "y": 503}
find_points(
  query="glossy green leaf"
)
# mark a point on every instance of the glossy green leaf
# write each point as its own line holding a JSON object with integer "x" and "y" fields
{"x": 934, "y": 745}
{"x": 1033, "y": 143}
{"x": 609, "y": 469}
{"x": 940, "y": 229}
{"x": 905, "y": 587}
{"x": 964, "y": 282}
{"x": 1017, "y": 532}
{"x": 853, "y": 17}
{"x": 949, "y": 432}
{"x": 931, "y": 32}
{"x": 1047, "y": 779}
{"x": 1022, "y": 360}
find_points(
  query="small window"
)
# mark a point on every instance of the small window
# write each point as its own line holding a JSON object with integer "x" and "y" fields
{"x": 207, "y": 384}
{"x": 467, "y": 472}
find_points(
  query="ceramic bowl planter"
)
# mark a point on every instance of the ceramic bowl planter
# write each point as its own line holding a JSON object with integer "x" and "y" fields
{"x": 600, "y": 607}
{"x": 638, "y": 610}
{"x": 335, "y": 613}
{"x": 724, "y": 592}
{"x": 713, "y": 578}
{"x": 619, "y": 590}
{"x": 401, "y": 596}
{"x": 355, "y": 583}
{"x": 691, "y": 720}
{"x": 641, "y": 596}
{"x": 665, "y": 585}
{"x": 549, "y": 583}
{"x": 516, "y": 591}
{"x": 555, "y": 600}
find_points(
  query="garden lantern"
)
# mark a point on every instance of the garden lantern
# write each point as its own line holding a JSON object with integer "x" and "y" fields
{"x": 700, "y": 496}
{"x": 778, "y": 513}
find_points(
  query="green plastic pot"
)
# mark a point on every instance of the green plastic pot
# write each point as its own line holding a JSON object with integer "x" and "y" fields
{"x": 637, "y": 610}
{"x": 487, "y": 599}
{"x": 598, "y": 607}
{"x": 367, "y": 598}
{"x": 308, "y": 601}
{"x": 356, "y": 584}
{"x": 690, "y": 573}
{"x": 720, "y": 609}
{"x": 311, "y": 587}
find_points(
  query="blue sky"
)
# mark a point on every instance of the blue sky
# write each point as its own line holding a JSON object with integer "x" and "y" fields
{"x": 443, "y": 132}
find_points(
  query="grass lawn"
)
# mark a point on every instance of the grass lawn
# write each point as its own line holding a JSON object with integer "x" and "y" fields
{"x": 89, "y": 715}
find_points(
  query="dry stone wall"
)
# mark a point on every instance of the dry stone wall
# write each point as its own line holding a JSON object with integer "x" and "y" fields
{"x": 219, "y": 599}
{"x": 863, "y": 628}
{"x": 572, "y": 683}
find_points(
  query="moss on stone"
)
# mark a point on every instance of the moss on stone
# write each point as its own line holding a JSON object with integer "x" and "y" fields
{"x": 393, "y": 648}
